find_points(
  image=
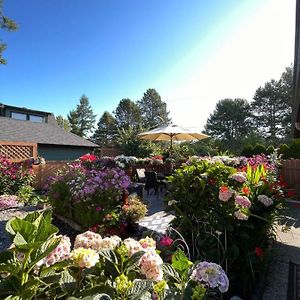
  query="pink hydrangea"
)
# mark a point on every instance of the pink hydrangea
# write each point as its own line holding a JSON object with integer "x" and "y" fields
{"x": 243, "y": 201}
{"x": 240, "y": 215}
{"x": 265, "y": 200}
{"x": 239, "y": 176}
{"x": 60, "y": 253}
{"x": 7, "y": 201}
{"x": 88, "y": 239}
{"x": 132, "y": 246}
{"x": 225, "y": 193}
{"x": 151, "y": 266}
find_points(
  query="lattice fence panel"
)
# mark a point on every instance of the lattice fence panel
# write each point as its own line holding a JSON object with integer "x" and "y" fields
{"x": 18, "y": 151}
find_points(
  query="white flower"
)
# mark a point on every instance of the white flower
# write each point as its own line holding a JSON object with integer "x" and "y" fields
{"x": 148, "y": 243}
{"x": 172, "y": 202}
{"x": 109, "y": 243}
{"x": 239, "y": 176}
{"x": 265, "y": 200}
{"x": 84, "y": 258}
{"x": 240, "y": 215}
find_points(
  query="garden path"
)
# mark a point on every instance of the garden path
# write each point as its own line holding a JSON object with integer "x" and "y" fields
{"x": 287, "y": 248}
{"x": 157, "y": 220}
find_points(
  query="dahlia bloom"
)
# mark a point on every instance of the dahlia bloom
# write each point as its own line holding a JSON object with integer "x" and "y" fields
{"x": 243, "y": 201}
{"x": 88, "y": 239}
{"x": 212, "y": 275}
{"x": 151, "y": 266}
{"x": 84, "y": 258}
{"x": 265, "y": 200}
{"x": 165, "y": 241}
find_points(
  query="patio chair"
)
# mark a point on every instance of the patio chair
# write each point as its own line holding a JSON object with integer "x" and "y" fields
{"x": 153, "y": 183}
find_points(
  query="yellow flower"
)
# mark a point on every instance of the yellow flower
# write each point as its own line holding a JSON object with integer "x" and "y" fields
{"x": 84, "y": 258}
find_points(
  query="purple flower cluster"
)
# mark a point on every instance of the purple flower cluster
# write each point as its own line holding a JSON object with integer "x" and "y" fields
{"x": 262, "y": 159}
{"x": 212, "y": 275}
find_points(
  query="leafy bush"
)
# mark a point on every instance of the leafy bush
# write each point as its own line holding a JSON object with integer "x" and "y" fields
{"x": 134, "y": 210}
{"x": 226, "y": 214}
{"x": 14, "y": 176}
{"x": 41, "y": 265}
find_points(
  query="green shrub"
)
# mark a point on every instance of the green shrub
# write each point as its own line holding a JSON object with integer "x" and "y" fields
{"x": 259, "y": 149}
{"x": 247, "y": 151}
{"x": 284, "y": 150}
{"x": 270, "y": 149}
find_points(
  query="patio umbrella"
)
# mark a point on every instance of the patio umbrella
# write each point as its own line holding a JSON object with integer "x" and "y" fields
{"x": 172, "y": 133}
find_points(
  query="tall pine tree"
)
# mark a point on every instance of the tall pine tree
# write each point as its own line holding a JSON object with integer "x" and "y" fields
{"x": 105, "y": 134}
{"x": 63, "y": 122}
{"x": 153, "y": 109}
{"x": 82, "y": 118}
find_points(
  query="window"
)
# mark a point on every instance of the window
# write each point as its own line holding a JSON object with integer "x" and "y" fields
{"x": 18, "y": 116}
{"x": 37, "y": 119}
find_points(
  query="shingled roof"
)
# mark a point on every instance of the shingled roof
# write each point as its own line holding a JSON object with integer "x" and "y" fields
{"x": 40, "y": 133}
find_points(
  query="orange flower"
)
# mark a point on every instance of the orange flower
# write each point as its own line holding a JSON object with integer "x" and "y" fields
{"x": 246, "y": 191}
{"x": 224, "y": 188}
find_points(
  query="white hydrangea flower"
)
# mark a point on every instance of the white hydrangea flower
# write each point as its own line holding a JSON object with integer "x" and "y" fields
{"x": 88, "y": 239}
{"x": 265, "y": 200}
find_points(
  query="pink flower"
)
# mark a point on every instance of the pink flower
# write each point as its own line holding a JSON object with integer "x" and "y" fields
{"x": 240, "y": 177}
{"x": 240, "y": 215}
{"x": 150, "y": 264}
{"x": 225, "y": 193}
{"x": 242, "y": 201}
{"x": 165, "y": 241}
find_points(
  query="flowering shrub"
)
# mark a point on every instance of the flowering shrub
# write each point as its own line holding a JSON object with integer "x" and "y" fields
{"x": 226, "y": 213}
{"x": 95, "y": 188}
{"x": 8, "y": 201}
{"x": 14, "y": 176}
{"x": 41, "y": 265}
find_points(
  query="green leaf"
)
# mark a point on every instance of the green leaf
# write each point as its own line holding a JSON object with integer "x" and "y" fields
{"x": 170, "y": 271}
{"x": 180, "y": 262}
{"x": 19, "y": 240}
{"x": 134, "y": 259}
{"x": 109, "y": 255}
{"x": 6, "y": 256}
{"x": 26, "y": 229}
{"x": 139, "y": 288}
{"x": 67, "y": 281}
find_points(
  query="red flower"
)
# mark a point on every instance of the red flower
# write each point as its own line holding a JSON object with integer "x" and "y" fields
{"x": 211, "y": 181}
{"x": 88, "y": 157}
{"x": 224, "y": 188}
{"x": 259, "y": 251}
{"x": 246, "y": 191}
{"x": 166, "y": 241}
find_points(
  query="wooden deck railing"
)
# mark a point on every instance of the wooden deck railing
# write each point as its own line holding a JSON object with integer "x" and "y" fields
{"x": 18, "y": 151}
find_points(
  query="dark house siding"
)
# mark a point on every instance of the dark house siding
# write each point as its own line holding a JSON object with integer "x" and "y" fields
{"x": 56, "y": 152}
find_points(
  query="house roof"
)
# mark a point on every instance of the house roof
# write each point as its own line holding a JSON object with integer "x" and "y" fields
{"x": 40, "y": 133}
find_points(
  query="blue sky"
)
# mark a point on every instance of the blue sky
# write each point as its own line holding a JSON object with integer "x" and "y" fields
{"x": 193, "y": 52}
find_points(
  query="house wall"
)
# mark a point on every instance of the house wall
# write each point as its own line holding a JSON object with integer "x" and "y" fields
{"x": 56, "y": 152}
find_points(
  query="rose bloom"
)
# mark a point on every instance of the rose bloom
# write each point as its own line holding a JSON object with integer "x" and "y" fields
{"x": 225, "y": 193}
{"x": 265, "y": 200}
{"x": 242, "y": 201}
{"x": 259, "y": 251}
{"x": 165, "y": 241}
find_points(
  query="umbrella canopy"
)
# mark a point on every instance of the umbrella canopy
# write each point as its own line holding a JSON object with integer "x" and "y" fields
{"x": 171, "y": 133}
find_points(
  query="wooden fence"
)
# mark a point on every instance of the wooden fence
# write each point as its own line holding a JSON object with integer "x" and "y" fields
{"x": 18, "y": 151}
{"x": 43, "y": 171}
{"x": 290, "y": 171}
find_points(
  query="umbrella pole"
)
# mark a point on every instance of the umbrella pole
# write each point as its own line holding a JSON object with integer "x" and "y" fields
{"x": 171, "y": 146}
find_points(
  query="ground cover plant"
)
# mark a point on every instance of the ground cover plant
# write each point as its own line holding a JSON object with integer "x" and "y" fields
{"x": 226, "y": 210}
{"x": 92, "y": 192}
{"x": 41, "y": 264}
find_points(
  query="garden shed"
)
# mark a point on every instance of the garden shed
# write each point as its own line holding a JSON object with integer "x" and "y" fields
{"x": 26, "y": 133}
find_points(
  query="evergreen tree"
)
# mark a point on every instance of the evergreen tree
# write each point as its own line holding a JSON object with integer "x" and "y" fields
{"x": 153, "y": 109}
{"x": 8, "y": 25}
{"x": 105, "y": 134}
{"x": 230, "y": 122}
{"x": 82, "y": 118}
{"x": 272, "y": 108}
{"x": 128, "y": 115}
{"x": 63, "y": 123}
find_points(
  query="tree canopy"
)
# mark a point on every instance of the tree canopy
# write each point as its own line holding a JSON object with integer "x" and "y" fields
{"x": 82, "y": 118}
{"x": 153, "y": 109}
{"x": 106, "y": 132}
{"x": 6, "y": 24}
{"x": 63, "y": 123}
{"x": 230, "y": 121}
